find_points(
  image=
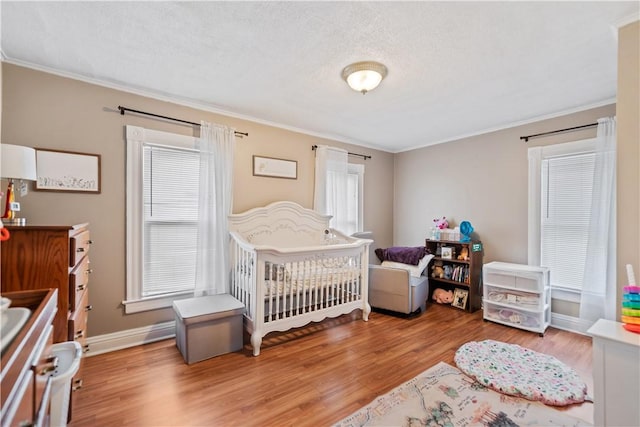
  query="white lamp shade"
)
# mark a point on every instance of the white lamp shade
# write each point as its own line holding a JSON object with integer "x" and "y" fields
{"x": 364, "y": 80}
{"x": 364, "y": 76}
{"x": 17, "y": 162}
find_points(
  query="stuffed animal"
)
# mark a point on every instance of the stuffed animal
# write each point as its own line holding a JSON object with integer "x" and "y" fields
{"x": 464, "y": 253}
{"x": 437, "y": 272}
{"x": 448, "y": 271}
{"x": 442, "y": 297}
{"x": 441, "y": 223}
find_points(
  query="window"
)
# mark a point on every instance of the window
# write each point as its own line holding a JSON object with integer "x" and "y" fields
{"x": 560, "y": 197}
{"x": 162, "y": 218}
{"x": 352, "y": 221}
{"x": 338, "y": 189}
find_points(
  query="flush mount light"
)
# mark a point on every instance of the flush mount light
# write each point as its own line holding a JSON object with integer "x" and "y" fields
{"x": 364, "y": 76}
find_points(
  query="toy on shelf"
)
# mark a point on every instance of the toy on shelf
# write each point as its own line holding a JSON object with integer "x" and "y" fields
{"x": 465, "y": 231}
{"x": 441, "y": 223}
{"x": 442, "y": 297}
{"x": 438, "y": 272}
{"x": 631, "y": 303}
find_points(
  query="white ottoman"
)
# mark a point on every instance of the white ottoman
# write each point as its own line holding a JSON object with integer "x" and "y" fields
{"x": 208, "y": 326}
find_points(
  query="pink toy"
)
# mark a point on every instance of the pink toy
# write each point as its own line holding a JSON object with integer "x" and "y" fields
{"x": 442, "y": 297}
{"x": 441, "y": 223}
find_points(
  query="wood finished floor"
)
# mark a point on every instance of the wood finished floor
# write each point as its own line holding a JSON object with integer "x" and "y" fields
{"x": 312, "y": 376}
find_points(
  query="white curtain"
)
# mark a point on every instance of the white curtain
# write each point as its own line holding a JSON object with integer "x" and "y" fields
{"x": 215, "y": 204}
{"x": 331, "y": 183}
{"x": 599, "y": 289}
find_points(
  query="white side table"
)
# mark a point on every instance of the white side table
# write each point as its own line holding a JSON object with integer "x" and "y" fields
{"x": 616, "y": 374}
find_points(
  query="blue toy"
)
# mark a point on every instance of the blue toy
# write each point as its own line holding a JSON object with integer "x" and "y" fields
{"x": 465, "y": 231}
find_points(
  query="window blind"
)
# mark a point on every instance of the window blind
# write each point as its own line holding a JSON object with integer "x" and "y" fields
{"x": 567, "y": 185}
{"x": 170, "y": 204}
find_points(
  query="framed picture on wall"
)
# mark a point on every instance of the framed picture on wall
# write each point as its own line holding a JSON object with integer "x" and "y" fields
{"x": 67, "y": 171}
{"x": 275, "y": 168}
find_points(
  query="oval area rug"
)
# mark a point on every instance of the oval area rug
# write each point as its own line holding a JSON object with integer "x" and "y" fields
{"x": 518, "y": 371}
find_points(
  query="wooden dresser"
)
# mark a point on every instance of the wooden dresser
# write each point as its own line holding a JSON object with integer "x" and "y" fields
{"x": 27, "y": 362}
{"x": 46, "y": 256}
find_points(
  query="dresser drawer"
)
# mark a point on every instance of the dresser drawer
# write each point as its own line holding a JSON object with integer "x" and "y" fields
{"x": 517, "y": 276}
{"x": 78, "y": 321}
{"x": 531, "y": 301}
{"x": 515, "y": 317}
{"x": 20, "y": 410}
{"x": 78, "y": 283}
{"x": 79, "y": 245}
{"x": 43, "y": 366}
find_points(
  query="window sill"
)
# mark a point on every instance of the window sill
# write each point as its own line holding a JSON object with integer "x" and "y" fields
{"x": 154, "y": 303}
{"x": 565, "y": 294}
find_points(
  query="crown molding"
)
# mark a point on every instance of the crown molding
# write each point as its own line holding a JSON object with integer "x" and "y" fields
{"x": 186, "y": 103}
{"x": 511, "y": 125}
{"x": 626, "y": 20}
{"x": 332, "y": 137}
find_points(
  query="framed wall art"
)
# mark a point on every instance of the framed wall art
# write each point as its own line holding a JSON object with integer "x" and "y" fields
{"x": 67, "y": 171}
{"x": 447, "y": 252}
{"x": 460, "y": 298}
{"x": 275, "y": 168}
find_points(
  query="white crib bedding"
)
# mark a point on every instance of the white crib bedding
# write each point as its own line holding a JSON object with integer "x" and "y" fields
{"x": 294, "y": 278}
{"x": 322, "y": 281}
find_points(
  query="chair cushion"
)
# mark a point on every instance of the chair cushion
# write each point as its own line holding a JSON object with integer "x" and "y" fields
{"x": 414, "y": 270}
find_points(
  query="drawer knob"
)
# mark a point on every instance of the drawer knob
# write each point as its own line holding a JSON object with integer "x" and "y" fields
{"x": 49, "y": 365}
{"x": 79, "y": 334}
{"x": 77, "y": 385}
{"x": 88, "y": 308}
{"x": 80, "y": 287}
{"x": 89, "y": 242}
{"x": 80, "y": 250}
{"x": 89, "y": 271}
{"x": 86, "y": 349}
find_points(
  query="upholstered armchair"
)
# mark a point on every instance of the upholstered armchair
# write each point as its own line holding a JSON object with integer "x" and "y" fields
{"x": 396, "y": 290}
{"x": 398, "y": 284}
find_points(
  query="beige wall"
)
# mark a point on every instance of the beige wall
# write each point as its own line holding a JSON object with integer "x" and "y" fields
{"x": 628, "y": 159}
{"x": 47, "y": 111}
{"x": 482, "y": 179}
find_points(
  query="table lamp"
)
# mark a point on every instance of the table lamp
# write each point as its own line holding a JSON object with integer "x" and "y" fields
{"x": 16, "y": 163}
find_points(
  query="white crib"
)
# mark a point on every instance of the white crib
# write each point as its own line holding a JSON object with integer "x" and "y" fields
{"x": 289, "y": 268}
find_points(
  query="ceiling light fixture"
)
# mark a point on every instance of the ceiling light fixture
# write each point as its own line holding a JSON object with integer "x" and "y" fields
{"x": 364, "y": 76}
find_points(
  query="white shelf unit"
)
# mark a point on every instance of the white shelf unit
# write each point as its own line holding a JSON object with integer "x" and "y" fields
{"x": 517, "y": 295}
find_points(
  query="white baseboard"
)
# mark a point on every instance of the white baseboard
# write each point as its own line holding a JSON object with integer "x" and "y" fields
{"x": 570, "y": 323}
{"x": 132, "y": 337}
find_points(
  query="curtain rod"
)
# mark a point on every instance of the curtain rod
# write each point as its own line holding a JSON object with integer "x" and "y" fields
{"x": 124, "y": 109}
{"x": 526, "y": 138}
{"x": 364, "y": 156}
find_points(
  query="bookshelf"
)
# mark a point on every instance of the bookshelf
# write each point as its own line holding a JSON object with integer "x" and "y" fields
{"x": 459, "y": 274}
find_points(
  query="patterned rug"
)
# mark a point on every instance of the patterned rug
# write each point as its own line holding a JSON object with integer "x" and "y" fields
{"x": 444, "y": 396}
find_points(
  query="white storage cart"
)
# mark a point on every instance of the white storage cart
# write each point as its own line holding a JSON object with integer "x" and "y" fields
{"x": 517, "y": 295}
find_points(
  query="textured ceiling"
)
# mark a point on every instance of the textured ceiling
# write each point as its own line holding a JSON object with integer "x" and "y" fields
{"x": 455, "y": 68}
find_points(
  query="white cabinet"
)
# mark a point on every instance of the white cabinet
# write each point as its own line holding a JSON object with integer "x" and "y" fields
{"x": 517, "y": 295}
{"x": 616, "y": 374}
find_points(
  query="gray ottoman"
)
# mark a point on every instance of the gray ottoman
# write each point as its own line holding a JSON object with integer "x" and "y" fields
{"x": 208, "y": 326}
